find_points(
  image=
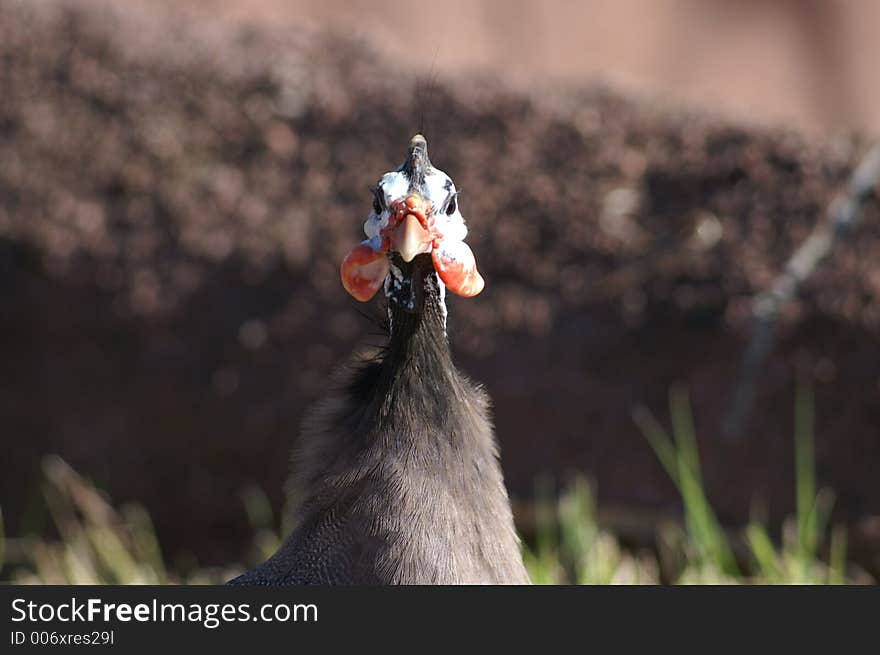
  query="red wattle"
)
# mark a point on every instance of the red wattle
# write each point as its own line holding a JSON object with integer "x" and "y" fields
{"x": 363, "y": 271}
{"x": 455, "y": 264}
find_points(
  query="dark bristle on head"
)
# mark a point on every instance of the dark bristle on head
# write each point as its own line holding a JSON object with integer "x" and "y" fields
{"x": 424, "y": 93}
{"x": 417, "y": 163}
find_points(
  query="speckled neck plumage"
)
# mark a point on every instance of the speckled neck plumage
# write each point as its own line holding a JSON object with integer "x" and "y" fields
{"x": 416, "y": 300}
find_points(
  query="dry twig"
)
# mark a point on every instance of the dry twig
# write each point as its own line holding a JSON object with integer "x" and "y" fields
{"x": 844, "y": 214}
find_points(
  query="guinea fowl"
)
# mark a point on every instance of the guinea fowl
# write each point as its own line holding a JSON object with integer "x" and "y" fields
{"x": 396, "y": 478}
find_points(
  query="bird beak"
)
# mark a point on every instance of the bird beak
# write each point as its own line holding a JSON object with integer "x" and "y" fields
{"x": 410, "y": 238}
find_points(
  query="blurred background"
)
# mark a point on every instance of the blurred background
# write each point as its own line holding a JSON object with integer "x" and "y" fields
{"x": 180, "y": 180}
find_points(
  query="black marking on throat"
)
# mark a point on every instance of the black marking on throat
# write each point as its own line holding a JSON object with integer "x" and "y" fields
{"x": 415, "y": 293}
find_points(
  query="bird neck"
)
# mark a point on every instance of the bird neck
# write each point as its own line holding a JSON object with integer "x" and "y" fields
{"x": 419, "y": 405}
{"x": 417, "y": 314}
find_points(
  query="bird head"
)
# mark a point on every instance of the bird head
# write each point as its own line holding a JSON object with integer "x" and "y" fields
{"x": 415, "y": 212}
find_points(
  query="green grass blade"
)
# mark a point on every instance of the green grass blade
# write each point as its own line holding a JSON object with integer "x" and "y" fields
{"x": 764, "y": 552}
{"x": 684, "y": 431}
{"x": 680, "y": 458}
{"x": 659, "y": 441}
{"x": 805, "y": 476}
{"x": 837, "y": 556}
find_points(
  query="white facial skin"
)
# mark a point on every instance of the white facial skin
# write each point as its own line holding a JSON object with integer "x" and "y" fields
{"x": 439, "y": 189}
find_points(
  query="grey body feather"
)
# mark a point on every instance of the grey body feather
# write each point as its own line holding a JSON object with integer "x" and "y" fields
{"x": 396, "y": 476}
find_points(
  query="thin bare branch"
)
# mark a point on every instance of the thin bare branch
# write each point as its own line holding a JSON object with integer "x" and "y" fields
{"x": 844, "y": 214}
